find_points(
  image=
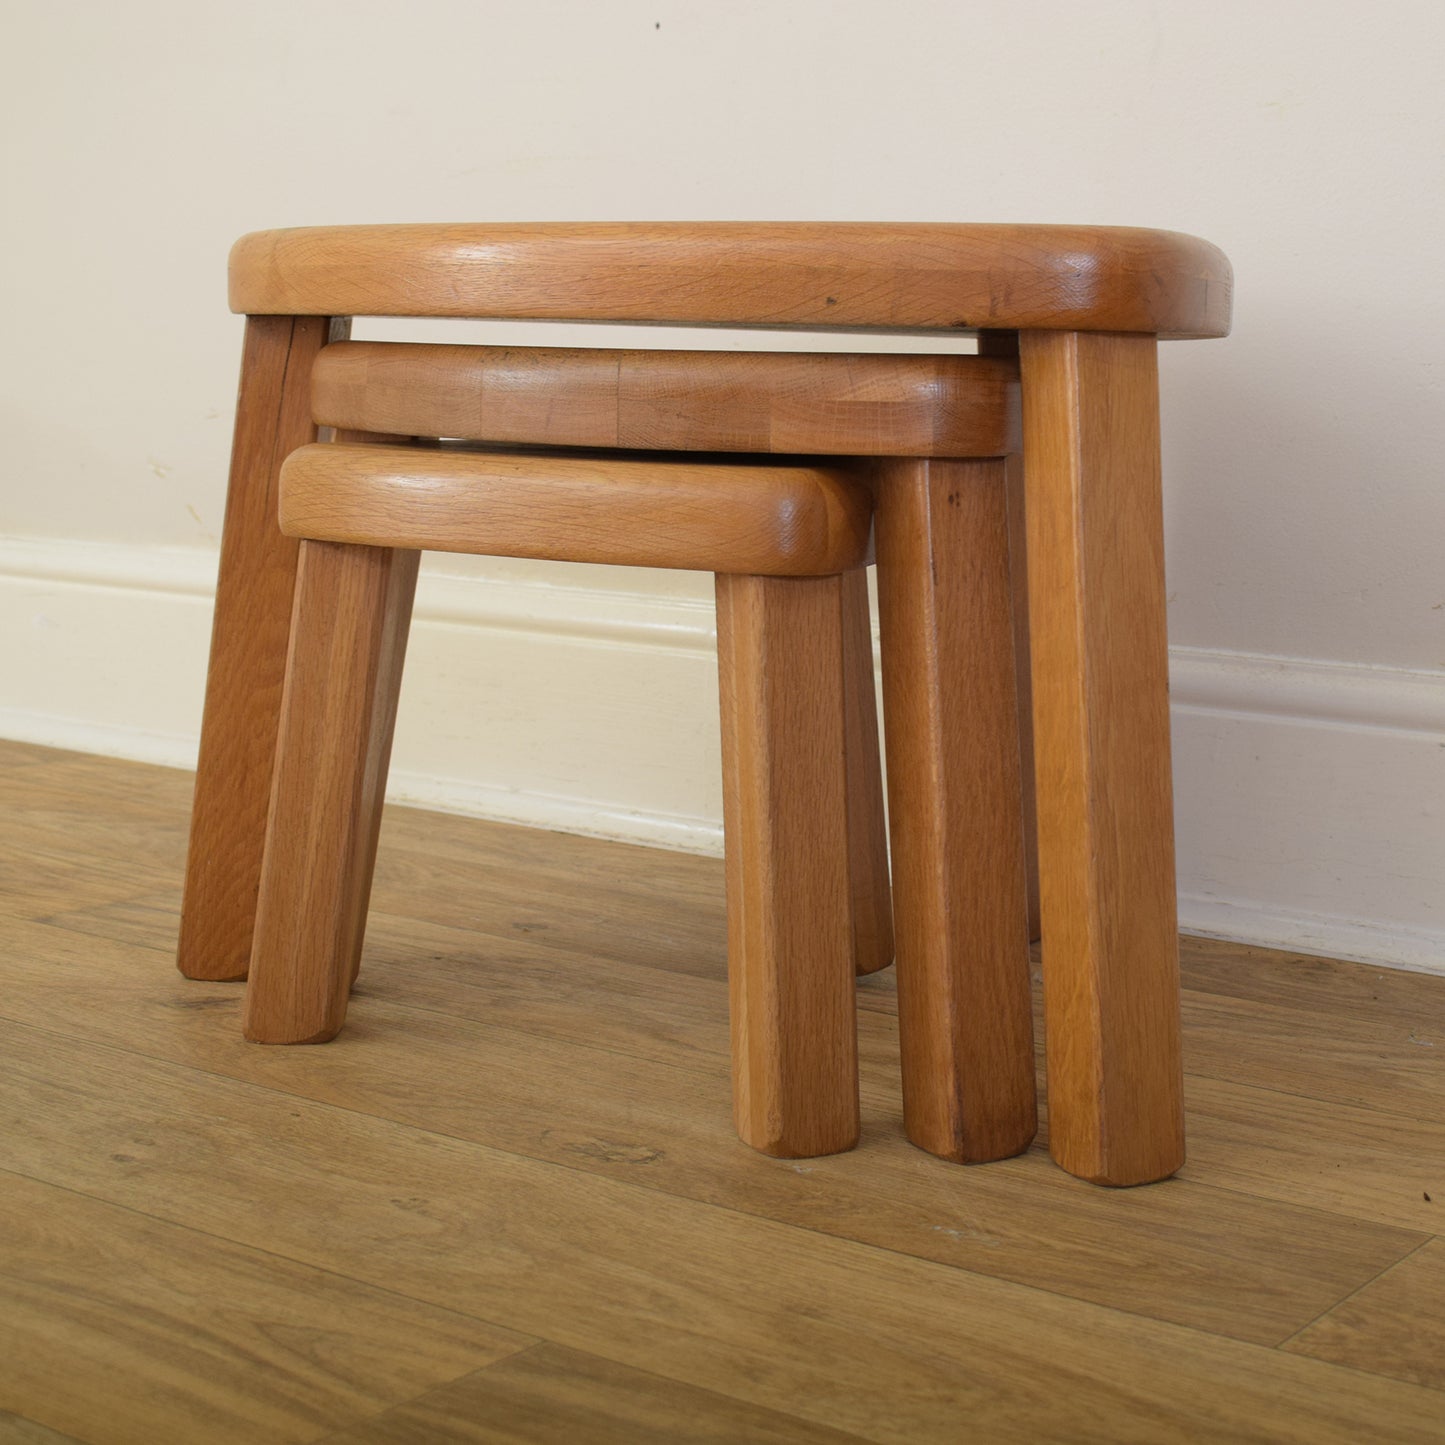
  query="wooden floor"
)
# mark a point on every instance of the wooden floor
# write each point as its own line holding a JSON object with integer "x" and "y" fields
{"x": 507, "y": 1204}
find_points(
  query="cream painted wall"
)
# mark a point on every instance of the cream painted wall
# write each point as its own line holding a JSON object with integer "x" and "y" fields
{"x": 1305, "y": 138}
{"x": 1305, "y": 505}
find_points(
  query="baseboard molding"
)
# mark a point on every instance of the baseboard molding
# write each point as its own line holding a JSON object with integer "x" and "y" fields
{"x": 681, "y": 832}
{"x": 1326, "y": 693}
{"x": 1361, "y": 939}
{"x": 1310, "y": 805}
{"x": 586, "y": 708}
{"x": 110, "y": 740}
{"x": 1310, "y": 795}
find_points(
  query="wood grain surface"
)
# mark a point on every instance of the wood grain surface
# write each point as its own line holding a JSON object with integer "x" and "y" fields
{"x": 1018, "y": 571}
{"x": 522, "y": 1135}
{"x": 764, "y": 519}
{"x": 951, "y": 722}
{"x": 868, "y": 867}
{"x": 715, "y": 1299}
{"x": 235, "y": 1344}
{"x": 643, "y": 1056}
{"x": 1085, "y": 278}
{"x": 1004, "y": 345}
{"x": 549, "y": 1395}
{"x": 338, "y": 712}
{"x": 699, "y": 401}
{"x": 1394, "y": 1326}
{"x": 248, "y": 650}
{"x": 790, "y": 929}
{"x": 1101, "y": 754}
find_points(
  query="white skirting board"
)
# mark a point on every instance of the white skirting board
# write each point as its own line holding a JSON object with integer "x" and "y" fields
{"x": 1310, "y": 796}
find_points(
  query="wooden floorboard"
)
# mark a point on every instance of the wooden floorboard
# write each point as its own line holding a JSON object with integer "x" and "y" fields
{"x": 553, "y": 1396}
{"x": 17, "y": 1430}
{"x": 14, "y": 754}
{"x": 778, "y": 1316}
{"x": 1327, "y": 986}
{"x": 624, "y": 1073}
{"x": 521, "y": 1145}
{"x": 1393, "y": 1326}
{"x": 1358, "y": 1163}
{"x": 234, "y": 1344}
{"x": 1384, "y": 1062}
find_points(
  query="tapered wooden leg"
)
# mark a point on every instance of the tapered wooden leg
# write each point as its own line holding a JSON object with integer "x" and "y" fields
{"x": 867, "y": 824}
{"x": 1101, "y": 738}
{"x": 248, "y": 650}
{"x": 343, "y": 434}
{"x": 1023, "y": 677}
{"x": 790, "y": 939}
{"x": 348, "y": 640}
{"x": 1006, "y": 344}
{"x": 951, "y": 724}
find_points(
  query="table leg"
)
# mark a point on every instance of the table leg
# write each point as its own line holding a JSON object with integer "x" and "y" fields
{"x": 343, "y": 674}
{"x": 790, "y": 935}
{"x": 1101, "y": 739}
{"x": 867, "y": 826}
{"x": 951, "y": 731}
{"x": 248, "y": 650}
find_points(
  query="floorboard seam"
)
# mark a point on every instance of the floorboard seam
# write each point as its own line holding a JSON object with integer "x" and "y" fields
{"x": 1409, "y": 1254}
